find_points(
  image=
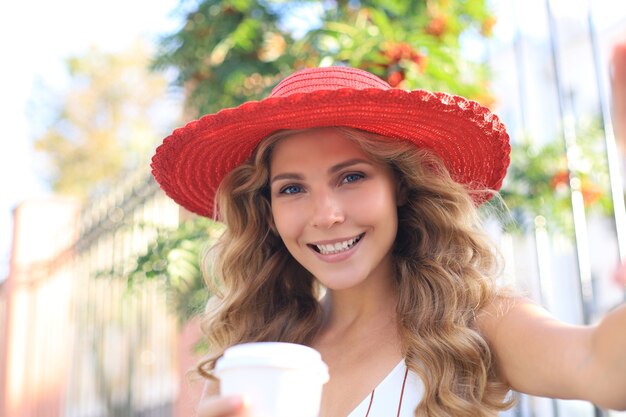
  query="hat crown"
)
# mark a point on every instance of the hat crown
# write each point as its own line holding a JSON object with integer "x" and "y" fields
{"x": 327, "y": 78}
{"x": 192, "y": 162}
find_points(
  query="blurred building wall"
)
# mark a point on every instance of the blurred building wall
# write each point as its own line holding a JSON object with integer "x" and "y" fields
{"x": 3, "y": 337}
{"x": 74, "y": 340}
{"x": 36, "y": 296}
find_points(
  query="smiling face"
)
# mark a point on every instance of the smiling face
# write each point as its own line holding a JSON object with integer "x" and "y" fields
{"x": 334, "y": 208}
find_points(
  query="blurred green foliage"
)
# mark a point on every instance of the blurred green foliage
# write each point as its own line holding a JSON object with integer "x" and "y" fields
{"x": 538, "y": 180}
{"x": 229, "y": 52}
{"x": 222, "y": 53}
{"x": 174, "y": 257}
{"x": 106, "y": 123}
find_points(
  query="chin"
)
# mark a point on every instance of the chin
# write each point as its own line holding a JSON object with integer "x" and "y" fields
{"x": 339, "y": 283}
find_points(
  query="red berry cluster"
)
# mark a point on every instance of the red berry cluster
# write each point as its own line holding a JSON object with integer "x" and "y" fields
{"x": 397, "y": 52}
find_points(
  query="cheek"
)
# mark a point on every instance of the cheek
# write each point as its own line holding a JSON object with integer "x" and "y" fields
{"x": 379, "y": 206}
{"x": 286, "y": 222}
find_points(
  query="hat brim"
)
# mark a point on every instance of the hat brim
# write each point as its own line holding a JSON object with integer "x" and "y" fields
{"x": 470, "y": 139}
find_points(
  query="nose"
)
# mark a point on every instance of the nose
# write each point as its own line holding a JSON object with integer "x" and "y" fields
{"x": 327, "y": 211}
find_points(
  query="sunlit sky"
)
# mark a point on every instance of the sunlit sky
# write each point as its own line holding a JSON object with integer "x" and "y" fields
{"x": 37, "y": 35}
{"x": 35, "y": 38}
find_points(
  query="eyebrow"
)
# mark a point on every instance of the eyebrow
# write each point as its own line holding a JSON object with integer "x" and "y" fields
{"x": 331, "y": 170}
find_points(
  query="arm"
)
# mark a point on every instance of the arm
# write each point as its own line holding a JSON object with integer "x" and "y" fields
{"x": 539, "y": 355}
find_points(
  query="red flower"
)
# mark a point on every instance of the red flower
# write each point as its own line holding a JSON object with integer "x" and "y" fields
{"x": 395, "y": 78}
{"x": 395, "y": 52}
{"x": 486, "y": 27}
{"x": 559, "y": 179}
{"x": 591, "y": 192}
{"x": 437, "y": 25}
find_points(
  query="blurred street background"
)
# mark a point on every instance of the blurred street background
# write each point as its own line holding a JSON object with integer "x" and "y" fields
{"x": 100, "y": 274}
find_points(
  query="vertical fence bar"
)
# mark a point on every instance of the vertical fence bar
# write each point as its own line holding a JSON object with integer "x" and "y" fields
{"x": 617, "y": 190}
{"x": 540, "y": 234}
{"x": 569, "y": 138}
{"x": 568, "y": 133}
{"x": 572, "y": 152}
{"x": 542, "y": 245}
{"x": 521, "y": 71}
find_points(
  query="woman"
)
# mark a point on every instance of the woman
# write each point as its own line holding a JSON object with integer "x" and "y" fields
{"x": 351, "y": 227}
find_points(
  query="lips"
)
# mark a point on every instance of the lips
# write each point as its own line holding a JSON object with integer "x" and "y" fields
{"x": 336, "y": 247}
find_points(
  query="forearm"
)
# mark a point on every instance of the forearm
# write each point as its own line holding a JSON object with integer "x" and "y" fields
{"x": 609, "y": 360}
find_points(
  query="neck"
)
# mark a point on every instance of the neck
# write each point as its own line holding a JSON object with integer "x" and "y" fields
{"x": 357, "y": 310}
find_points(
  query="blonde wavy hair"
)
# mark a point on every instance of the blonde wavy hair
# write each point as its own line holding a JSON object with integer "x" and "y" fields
{"x": 445, "y": 276}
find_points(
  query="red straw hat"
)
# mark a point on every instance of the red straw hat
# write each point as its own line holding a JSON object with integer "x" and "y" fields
{"x": 468, "y": 137}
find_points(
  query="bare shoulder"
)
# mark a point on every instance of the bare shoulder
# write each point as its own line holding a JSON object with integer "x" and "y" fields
{"x": 495, "y": 313}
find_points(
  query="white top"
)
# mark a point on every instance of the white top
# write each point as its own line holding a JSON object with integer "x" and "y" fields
{"x": 386, "y": 397}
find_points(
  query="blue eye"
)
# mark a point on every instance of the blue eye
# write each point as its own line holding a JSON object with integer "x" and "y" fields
{"x": 291, "y": 189}
{"x": 352, "y": 177}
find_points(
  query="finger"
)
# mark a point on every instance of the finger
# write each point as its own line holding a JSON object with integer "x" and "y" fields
{"x": 220, "y": 407}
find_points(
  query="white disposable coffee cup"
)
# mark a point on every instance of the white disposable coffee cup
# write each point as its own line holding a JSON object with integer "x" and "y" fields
{"x": 275, "y": 379}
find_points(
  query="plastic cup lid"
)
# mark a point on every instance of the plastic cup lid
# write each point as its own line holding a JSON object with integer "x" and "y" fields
{"x": 273, "y": 355}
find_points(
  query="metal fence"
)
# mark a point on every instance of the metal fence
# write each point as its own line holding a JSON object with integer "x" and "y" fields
{"x": 124, "y": 340}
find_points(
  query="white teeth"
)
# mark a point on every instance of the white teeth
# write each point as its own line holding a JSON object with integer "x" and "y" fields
{"x": 337, "y": 247}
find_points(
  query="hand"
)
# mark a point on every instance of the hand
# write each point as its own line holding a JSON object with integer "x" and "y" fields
{"x": 216, "y": 406}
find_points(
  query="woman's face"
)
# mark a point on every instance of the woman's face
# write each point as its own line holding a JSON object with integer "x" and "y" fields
{"x": 333, "y": 207}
